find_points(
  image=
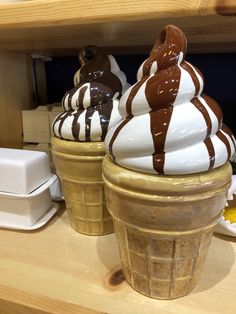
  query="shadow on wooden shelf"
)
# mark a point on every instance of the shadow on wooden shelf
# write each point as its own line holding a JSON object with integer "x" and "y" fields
{"x": 225, "y": 238}
{"x": 114, "y": 279}
{"x": 215, "y": 272}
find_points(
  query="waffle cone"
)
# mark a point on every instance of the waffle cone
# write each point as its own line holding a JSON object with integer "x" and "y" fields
{"x": 164, "y": 225}
{"x": 79, "y": 167}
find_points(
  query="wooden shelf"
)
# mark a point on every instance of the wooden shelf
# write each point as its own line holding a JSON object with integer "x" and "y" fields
{"x": 57, "y": 270}
{"x": 62, "y": 26}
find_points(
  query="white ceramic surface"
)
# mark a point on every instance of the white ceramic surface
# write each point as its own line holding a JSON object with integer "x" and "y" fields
{"x": 95, "y": 124}
{"x": 22, "y": 171}
{"x": 38, "y": 224}
{"x": 23, "y": 210}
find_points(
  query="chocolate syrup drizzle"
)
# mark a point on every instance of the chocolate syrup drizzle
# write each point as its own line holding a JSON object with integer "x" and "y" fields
{"x": 129, "y": 115}
{"x": 99, "y": 103}
{"x": 102, "y": 86}
{"x": 161, "y": 91}
{"x": 96, "y": 67}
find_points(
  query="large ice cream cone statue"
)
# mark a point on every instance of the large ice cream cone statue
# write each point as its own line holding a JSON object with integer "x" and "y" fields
{"x": 164, "y": 225}
{"x": 90, "y": 109}
{"x": 167, "y": 174}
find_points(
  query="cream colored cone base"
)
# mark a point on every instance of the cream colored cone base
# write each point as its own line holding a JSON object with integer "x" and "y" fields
{"x": 79, "y": 166}
{"x": 164, "y": 225}
{"x": 162, "y": 265}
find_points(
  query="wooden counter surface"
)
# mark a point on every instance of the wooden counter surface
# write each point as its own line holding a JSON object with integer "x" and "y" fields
{"x": 129, "y": 26}
{"x": 57, "y": 270}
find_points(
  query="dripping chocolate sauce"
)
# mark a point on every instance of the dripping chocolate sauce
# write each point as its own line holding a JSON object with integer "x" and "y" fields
{"x": 227, "y": 131}
{"x": 104, "y": 112}
{"x": 96, "y": 67}
{"x": 103, "y": 84}
{"x": 224, "y": 139}
{"x": 197, "y": 103}
{"x": 81, "y": 96}
{"x": 211, "y": 152}
{"x": 132, "y": 94}
{"x": 75, "y": 125}
{"x": 158, "y": 95}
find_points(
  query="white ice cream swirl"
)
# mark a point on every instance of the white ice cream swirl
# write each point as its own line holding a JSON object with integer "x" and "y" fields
{"x": 91, "y": 107}
{"x": 168, "y": 126}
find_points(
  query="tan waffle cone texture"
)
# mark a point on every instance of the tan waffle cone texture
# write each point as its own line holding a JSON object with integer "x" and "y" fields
{"x": 164, "y": 225}
{"x": 79, "y": 167}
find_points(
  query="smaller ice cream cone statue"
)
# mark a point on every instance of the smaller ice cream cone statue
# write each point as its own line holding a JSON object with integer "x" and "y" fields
{"x": 167, "y": 172}
{"x": 90, "y": 109}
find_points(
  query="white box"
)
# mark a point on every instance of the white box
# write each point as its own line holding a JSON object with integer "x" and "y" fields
{"x": 36, "y": 125}
{"x": 22, "y": 171}
{"x": 24, "y": 210}
{"x": 56, "y": 110}
{"x": 41, "y": 147}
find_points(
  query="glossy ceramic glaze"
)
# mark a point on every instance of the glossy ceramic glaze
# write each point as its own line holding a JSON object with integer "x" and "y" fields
{"x": 168, "y": 125}
{"x": 91, "y": 107}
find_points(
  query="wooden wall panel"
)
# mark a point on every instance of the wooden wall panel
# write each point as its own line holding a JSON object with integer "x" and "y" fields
{"x": 16, "y": 92}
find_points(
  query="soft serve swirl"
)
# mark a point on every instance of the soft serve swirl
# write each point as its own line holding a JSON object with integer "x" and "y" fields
{"x": 168, "y": 126}
{"x": 91, "y": 107}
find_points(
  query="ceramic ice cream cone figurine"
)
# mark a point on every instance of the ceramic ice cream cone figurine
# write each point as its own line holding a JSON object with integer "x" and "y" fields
{"x": 90, "y": 109}
{"x": 167, "y": 172}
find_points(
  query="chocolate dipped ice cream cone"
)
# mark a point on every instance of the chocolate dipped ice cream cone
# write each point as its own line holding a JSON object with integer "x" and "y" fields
{"x": 167, "y": 172}
{"x": 90, "y": 109}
